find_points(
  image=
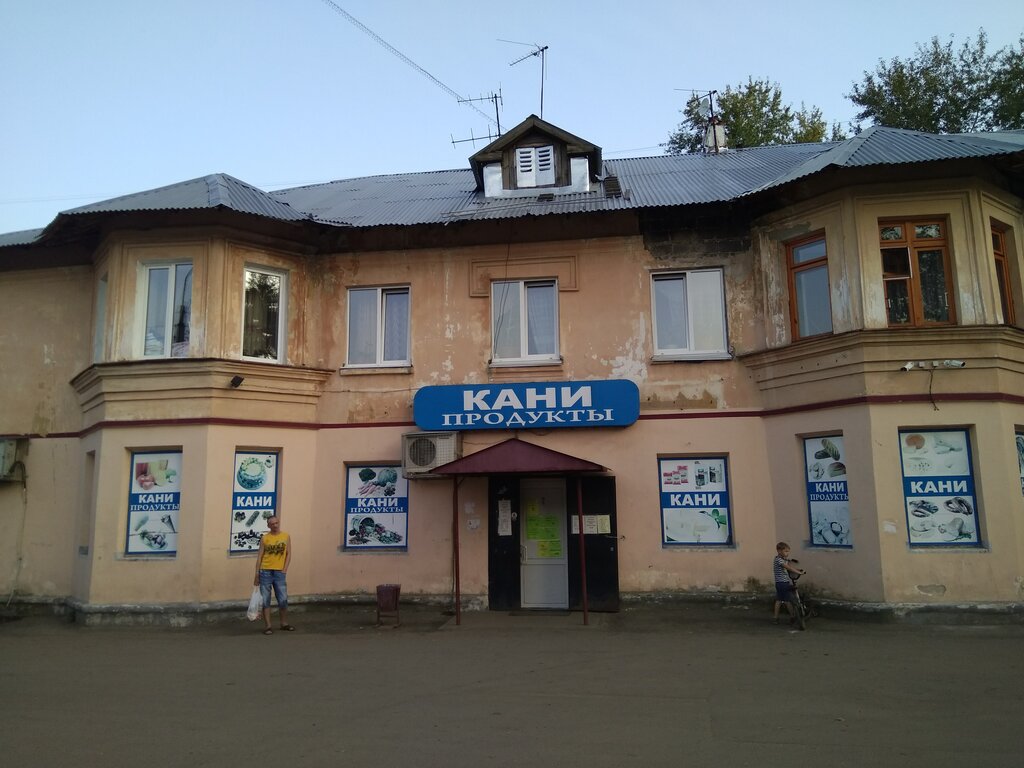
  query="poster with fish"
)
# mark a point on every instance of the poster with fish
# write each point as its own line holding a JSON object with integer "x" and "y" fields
{"x": 1019, "y": 440}
{"x": 154, "y": 500}
{"x": 253, "y": 498}
{"x": 376, "y": 507}
{"x": 828, "y": 498}
{"x": 938, "y": 488}
{"x": 694, "y": 501}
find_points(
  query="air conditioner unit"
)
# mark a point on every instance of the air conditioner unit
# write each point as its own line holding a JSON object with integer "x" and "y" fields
{"x": 422, "y": 452}
{"x": 8, "y": 457}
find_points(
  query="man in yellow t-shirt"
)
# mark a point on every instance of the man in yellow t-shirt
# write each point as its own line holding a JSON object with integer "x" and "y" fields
{"x": 271, "y": 566}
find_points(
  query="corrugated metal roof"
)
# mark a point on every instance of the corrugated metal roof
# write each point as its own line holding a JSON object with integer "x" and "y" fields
{"x": 24, "y": 237}
{"x": 215, "y": 191}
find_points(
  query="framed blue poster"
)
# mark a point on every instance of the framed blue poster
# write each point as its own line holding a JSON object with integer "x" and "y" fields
{"x": 938, "y": 488}
{"x": 253, "y": 498}
{"x": 376, "y": 507}
{"x": 695, "y": 501}
{"x": 828, "y": 497}
{"x": 154, "y": 501}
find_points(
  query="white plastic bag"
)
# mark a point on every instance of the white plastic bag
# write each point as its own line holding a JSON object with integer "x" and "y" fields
{"x": 255, "y": 605}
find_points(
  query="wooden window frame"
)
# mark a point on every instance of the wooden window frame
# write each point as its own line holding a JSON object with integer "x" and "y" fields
{"x": 1004, "y": 284}
{"x": 791, "y": 272}
{"x": 914, "y": 246}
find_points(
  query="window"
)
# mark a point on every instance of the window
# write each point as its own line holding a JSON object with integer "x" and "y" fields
{"x": 915, "y": 267}
{"x": 265, "y": 311}
{"x": 378, "y": 326}
{"x": 535, "y": 166}
{"x": 689, "y": 315}
{"x": 524, "y": 321}
{"x": 810, "y": 308}
{"x": 168, "y": 310}
{"x": 1003, "y": 274}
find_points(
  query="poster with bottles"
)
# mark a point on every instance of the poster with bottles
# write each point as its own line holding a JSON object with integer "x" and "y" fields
{"x": 828, "y": 498}
{"x": 154, "y": 501}
{"x": 694, "y": 501}
{"x": 253, "y": 499}
{"x": 938, "y": 488}
{"x": 376, "y": 507}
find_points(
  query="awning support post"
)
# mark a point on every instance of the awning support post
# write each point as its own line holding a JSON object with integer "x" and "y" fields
{"x": 583, "y": 549}
{"x": 455, "y": 549}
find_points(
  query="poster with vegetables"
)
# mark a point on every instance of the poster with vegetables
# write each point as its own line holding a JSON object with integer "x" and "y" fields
{"x": 253, "y": 498}
{"x": 376, "y": 507}
{"x": 938, "y": 488}
{"x": 828, "y": 499}
{"x": 694, "y": 501}
{"x": 1019, "y": 439}
{"x": 154, "y": 500}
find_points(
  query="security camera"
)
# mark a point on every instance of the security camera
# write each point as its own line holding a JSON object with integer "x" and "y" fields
{"x": 908, "y": 366}
{"x": 954, "y": 363}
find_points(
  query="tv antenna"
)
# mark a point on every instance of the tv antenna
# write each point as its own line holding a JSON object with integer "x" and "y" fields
{"x": 495, "y": 98}
{"x": 541, "y": 52}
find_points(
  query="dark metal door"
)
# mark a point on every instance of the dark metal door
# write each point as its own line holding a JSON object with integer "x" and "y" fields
{"x": 503, "y": 582}
{"x": 602, "y": 548}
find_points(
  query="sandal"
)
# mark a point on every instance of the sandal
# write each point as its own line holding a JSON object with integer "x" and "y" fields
{"x": 268, "y": 631}
{"x": 287, "y": 628}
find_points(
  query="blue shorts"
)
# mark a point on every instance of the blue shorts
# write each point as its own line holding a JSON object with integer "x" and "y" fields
{"x": 784, "y": 592}
{"x": 276, "y": 580}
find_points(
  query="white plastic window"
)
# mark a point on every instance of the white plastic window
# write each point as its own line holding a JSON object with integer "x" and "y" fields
{"x": 263, "y": 329}
{"x": 524, "y": 321}
{"x": 168, "y": 310}
{"x": 689, "y": 315}
{"x": 378, "y": 326}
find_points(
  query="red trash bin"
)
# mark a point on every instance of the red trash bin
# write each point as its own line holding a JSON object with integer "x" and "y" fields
{"x": 387, "y": 602}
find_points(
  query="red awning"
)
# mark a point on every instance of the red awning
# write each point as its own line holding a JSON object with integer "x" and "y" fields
{"x": 517, "y": 457}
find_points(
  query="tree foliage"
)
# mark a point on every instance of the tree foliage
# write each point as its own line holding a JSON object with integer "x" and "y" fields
{"x": 943, "y": 89}
{"x": 754, "y": 115}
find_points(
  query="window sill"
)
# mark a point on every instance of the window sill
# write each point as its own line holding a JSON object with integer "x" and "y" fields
{"x": 691, "y": 357}
{"x": 534, "y": 363}
{"x": 371, "y": 370}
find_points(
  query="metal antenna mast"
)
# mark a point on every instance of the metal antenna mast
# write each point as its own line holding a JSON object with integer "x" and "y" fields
{"x": 541, "y": 51}
{"x": 496, "y": 99}
{"x": 385, "y": 44}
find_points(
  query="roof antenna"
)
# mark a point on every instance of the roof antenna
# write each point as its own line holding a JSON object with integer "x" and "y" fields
{"x": 496, "y": 99}
{"x": 541, "y": 51}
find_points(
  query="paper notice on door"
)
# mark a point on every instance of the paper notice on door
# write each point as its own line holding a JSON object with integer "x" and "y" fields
{"x": 549, "y": 548}
{"x": 604, "y": 523}
{"x": 504, "y": 518}
{"x": 591, "y": 524}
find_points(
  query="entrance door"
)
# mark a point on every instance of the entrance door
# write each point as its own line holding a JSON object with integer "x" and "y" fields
{"x": 544, "y": 562}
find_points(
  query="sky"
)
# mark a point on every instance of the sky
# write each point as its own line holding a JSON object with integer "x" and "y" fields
{"x": 110, "y": 97}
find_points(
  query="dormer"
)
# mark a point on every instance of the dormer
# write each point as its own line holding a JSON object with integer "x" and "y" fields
{"x": 536, "y": 158}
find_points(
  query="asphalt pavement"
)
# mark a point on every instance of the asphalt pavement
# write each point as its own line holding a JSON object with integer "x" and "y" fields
{"x": 653, "y": 685}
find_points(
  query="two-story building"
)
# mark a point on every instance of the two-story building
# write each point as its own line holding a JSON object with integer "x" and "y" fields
{"x": 544, "y": 377}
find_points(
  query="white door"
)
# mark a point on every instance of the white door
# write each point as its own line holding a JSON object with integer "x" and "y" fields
{"x": 544, "y": 563}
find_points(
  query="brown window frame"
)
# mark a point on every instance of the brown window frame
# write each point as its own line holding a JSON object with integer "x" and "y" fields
{"x": 1003, "y": 282}
{"x": 915, "y": 246}
{"x": 792, "y": 269}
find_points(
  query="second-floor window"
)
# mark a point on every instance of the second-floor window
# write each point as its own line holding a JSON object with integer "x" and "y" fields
{"x": 168, "y": 309}
{"x": 378, "y": 326}
{"x": 1003, "y": 274}
{"x": 524, "y": 321}
{"x": 916, "y": 274}
{"x": 810, "y": 308}
{"x": 689, "y": 315}
{"x": 264, "y": 314}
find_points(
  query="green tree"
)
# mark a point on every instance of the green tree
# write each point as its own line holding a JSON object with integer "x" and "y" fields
{"x": 943, "y": 89}
{"x": 754, "y": 115}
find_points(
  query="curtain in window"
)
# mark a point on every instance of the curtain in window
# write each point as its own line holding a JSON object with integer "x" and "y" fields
{"x": 396, "y": 326}
{"x": 505, "y": 320}
{"x": 707, "y": 310}
{"x": 156, "y": 312}
{"x": 362, "y": 327}
{"x": 181, "y": 317}
{"x": 670, "y": 313}
{"x": 540, "y": 320}
{"x": 260, "y": 324}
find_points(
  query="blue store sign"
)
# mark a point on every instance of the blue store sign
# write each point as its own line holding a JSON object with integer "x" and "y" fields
{"x": 544, "y": 405}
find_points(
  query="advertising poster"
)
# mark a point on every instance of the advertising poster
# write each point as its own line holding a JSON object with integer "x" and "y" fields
{"x": 1019, "y": 438}
{"x": 376, "y": 507}
{"x": 938, "y": 487}
{"x": 828, "y": 500}
{"x": 253, "y": 498}
{"x": 694, "y": 501}
{"x": 154, "y": 500}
